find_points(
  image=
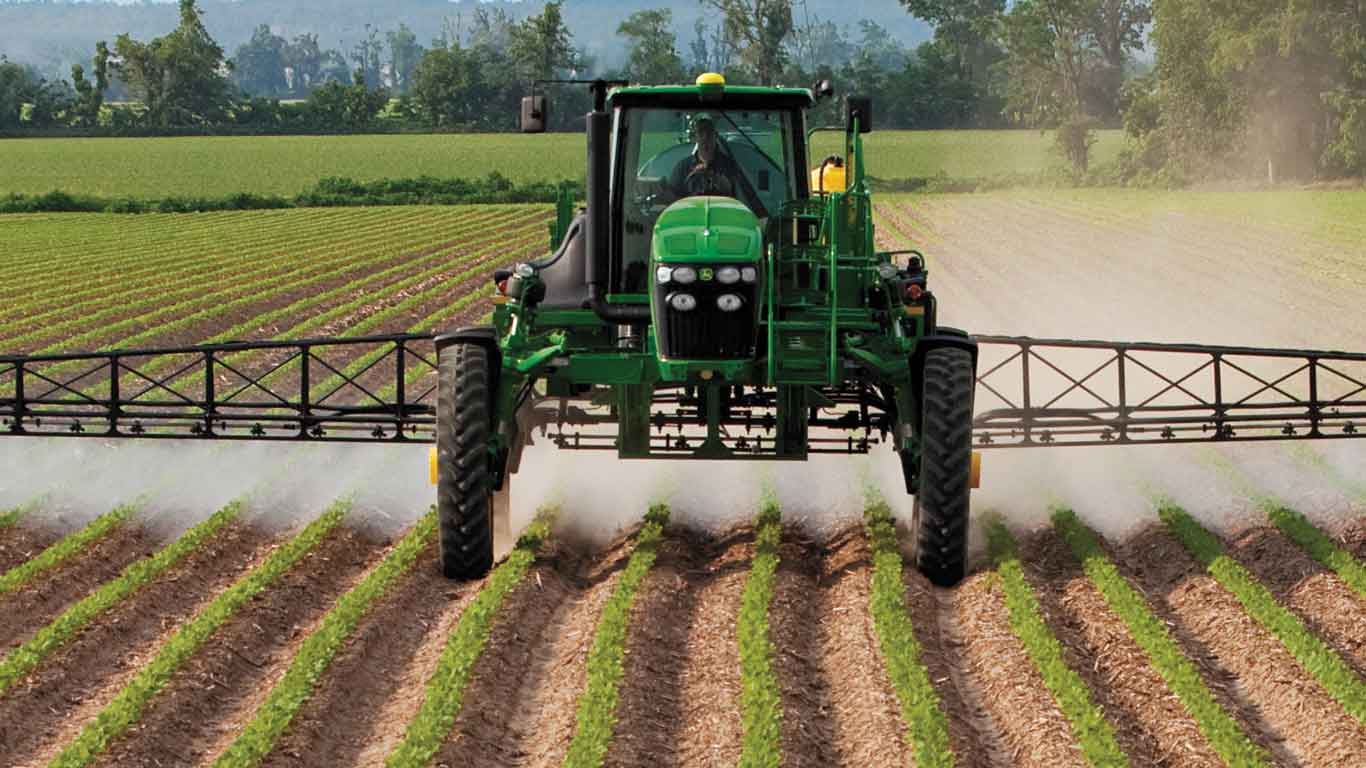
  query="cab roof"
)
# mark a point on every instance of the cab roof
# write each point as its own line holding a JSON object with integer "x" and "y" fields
{"x": 711, "y": 97}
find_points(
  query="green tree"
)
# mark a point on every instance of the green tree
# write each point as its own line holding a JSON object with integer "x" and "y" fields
{"x": 16, "y": 84}
{"x": 404, "y": 54}
{"x": 366, "y": 56}
{"x": 352, "y": 107}
{"x": 967, "y": 35}
{"x": 653, "y": 53}
{"x": 259, "y": 65}
{"x": 541, "y": 46}
{"x": 303, "y": 59}
{"x": 761, "y": 29}
{"x": 177, "y": 77}
{"x": 89, "y": 100}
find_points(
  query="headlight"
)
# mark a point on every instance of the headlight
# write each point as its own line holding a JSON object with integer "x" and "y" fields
{"x": 524, "y": 270}
{"x": 887, "y": 271}
{"x": 749, "y": 274}
{"x": 685, "y": 275}
{"x": 683, "y": 302}
{"x": 664, "y": 274}
{"x": 729, "y": 302}
{"x": 728, "y": 275}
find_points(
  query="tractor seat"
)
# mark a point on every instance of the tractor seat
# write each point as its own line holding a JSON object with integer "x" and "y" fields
{"x": 565, "y": 272}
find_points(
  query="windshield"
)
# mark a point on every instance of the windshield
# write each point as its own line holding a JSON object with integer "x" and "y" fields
{"x": 670, "y": 154}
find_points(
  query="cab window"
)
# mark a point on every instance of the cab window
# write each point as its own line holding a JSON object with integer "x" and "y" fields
{"x": 669, "y": 154}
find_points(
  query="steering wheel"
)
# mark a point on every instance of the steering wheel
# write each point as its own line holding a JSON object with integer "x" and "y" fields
{"x": 704, "y": 181}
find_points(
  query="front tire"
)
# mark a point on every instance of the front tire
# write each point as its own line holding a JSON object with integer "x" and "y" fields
{"x": 939, "y": 522}
{"x": 464, "y": 422}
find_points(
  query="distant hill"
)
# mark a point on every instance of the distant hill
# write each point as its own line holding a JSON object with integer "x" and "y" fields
{"x": 52, "y": 34}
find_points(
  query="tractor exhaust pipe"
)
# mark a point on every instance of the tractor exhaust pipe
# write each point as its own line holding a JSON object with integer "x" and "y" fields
{"x": 599, "y": 220}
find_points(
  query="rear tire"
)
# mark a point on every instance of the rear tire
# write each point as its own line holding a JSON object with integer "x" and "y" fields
{"x": 464, "y": 420}
{"x": 939, "y": 522}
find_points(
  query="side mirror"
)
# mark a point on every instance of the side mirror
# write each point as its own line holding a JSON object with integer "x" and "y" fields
{"x": 860, "y": 107}
{"x": 823, "y": 89}
{"x": 534, "y": 115}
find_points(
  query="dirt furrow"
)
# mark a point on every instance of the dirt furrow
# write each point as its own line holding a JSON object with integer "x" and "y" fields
{"x": 1033, "y": 730}
{"x": 20, "y": 542}
{"x": 29, "y": 608}
{"x": 975, "y": 739}
{"x": 209, "y": 699}
{"x": 47, "y": 709}
{"x": 1328, "y": 607}
{"x": 1353, "y": 538}
{"x": 1279, "y": 698}
{"x": 865, "y": 725}
{"x": 539, "y": 648}
{"x": 799, "y": 644}
{"x": 393, "y": 660}
{"x": 371, "y": 675}
{"x": 1151, "y": 725}
{"x": 680, "y": 696}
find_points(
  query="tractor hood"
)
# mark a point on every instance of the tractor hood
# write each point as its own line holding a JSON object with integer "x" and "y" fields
{"x": 706, "y": 230}
{"x": 704, "y": 275}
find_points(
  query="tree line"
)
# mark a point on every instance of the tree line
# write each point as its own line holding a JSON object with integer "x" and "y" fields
{"x": 1203, "y": 88}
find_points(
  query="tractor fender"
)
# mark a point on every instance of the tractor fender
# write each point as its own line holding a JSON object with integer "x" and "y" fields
{"x": 943, "y": 337}
{"x": 483, "y": 335}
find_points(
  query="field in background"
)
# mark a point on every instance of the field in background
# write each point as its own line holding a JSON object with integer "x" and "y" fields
{"x": 301, "y": 621}
{"x": 154, "y": 168}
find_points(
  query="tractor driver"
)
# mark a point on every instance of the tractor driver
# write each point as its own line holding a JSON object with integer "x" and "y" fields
{"x": 708, "y": 170}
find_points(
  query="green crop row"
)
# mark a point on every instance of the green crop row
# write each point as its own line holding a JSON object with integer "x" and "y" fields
{"x": 55, "y": 635}
{"x": 927, "y": 728}
{"x": 90, "y": 322}
{"x": 445, "y": 692}
{"x": 303, "y": 274}
{"x": 1093, "y": 733}
{"x": 86, "y": 264}
{"x": 596, "y": 714}
{"x": 317, "y": 652}
{"x": 1181, "y": 676}
{"x": 71, "y": 544}
{"x": 225, "y": 270}
{"x": 1293, "y": 524}
{"x": 1298, "y": 528}
{"x": 14, "y": 515}
{"x": 127, "y": 707}
{"x": 1318, "y": 659}
{"x": 304, "y": 306}
{"x": 760, "y": 698}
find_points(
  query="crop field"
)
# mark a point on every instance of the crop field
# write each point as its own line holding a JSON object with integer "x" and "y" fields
{"x": 281, "y": 606}
{"x": 154, "y": 168}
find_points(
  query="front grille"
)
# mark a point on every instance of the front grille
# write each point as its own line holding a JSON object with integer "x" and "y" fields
{"x": 706, "y": 333}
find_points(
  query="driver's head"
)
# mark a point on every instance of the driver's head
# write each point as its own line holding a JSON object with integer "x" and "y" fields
{"x": 704, "y": 134}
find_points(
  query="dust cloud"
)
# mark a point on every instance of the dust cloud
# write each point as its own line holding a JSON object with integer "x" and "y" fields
{"x": 180, "y": 483}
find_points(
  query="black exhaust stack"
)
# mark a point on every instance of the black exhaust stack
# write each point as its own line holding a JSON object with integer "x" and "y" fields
{"x": 599, "y": 218}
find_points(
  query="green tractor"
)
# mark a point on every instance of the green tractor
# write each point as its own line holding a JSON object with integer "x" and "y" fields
{"x": 720, "y": 297}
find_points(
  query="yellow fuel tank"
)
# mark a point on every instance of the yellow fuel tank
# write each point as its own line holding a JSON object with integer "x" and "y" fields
{"x": 828, "y": 177}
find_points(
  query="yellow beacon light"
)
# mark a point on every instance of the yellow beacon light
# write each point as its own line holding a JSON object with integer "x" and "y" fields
{"x": 711, "y": 78}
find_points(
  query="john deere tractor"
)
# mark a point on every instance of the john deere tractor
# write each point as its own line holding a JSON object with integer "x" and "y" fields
{"x": 719, "y": 298}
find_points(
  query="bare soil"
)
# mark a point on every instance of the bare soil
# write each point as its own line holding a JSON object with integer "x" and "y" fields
{"x": 51, "y": 705}
{"x": 683, "y": 668}
{"x": 44, "y": 598}
{"x": 1324, "y": 602}
{"x": 864, "y": 717}
{"x": 1151, "y": 725}
{"x": 379, "y": 671}
{"x": 1283, "y": 704}
{"x": 212, "y": 697}
{"x": 20, "y": 542}
{"x": 539, "y": 648}
{"x": 1034, "y": 732}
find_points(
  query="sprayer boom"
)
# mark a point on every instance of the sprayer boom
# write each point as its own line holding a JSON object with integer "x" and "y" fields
{"x": 1029, "y": 393}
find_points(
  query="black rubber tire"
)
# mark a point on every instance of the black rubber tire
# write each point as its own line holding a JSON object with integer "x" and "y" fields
{"x": 939, "y": 523}
{"x": 464, "y": 500}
